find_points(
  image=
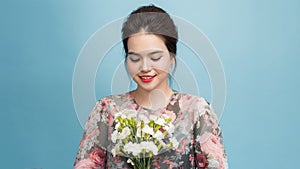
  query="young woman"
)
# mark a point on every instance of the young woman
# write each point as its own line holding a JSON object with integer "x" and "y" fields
{"x": 150, "y": 38}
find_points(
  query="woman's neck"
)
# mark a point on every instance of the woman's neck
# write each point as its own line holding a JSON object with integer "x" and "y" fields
{"x": 153, "y": 99}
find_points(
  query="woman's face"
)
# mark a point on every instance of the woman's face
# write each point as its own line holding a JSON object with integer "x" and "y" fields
{"x": 149, "y": 61}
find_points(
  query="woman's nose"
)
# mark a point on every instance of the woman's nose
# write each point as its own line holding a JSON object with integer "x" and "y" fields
{"x": 146, "y": 66}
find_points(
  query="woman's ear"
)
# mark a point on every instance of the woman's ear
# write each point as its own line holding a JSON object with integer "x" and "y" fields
{"x": 172, "y": 64}
{"x": 172, "y": 59}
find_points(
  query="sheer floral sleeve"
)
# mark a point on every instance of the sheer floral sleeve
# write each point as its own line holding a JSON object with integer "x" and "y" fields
{"x": 91, "y": 153}
{"x": 209, "y": 149}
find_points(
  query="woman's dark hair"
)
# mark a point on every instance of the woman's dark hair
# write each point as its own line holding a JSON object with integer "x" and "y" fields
{"x": 153, "y": 20}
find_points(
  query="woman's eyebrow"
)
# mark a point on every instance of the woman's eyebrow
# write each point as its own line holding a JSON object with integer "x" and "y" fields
{"x": 155, "y": 52}
{"x": 149, "y": 54}
{"x": 133, "y": 53}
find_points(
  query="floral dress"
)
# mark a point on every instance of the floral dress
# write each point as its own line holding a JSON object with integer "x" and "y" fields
{"x": 200, "y": 142}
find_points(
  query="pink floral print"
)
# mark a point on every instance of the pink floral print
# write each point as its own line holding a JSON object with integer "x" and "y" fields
{"x": 196, "y": 126}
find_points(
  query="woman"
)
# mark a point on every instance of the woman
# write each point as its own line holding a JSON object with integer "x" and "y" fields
{"x": 149, "y": 39}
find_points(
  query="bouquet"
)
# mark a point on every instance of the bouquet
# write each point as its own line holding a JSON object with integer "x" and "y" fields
{"x": 139, "y": 139}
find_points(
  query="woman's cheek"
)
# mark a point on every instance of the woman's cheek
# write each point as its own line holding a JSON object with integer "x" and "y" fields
{"x": 164, "y": 67}
{"x": 133, "y": 69}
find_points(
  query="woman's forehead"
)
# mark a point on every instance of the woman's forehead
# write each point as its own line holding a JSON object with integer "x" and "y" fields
{"x": 143, "y": 42}
{"x": 149, "y": 52}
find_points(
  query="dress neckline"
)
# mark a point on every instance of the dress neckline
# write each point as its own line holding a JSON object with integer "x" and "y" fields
{"x": 132, "y": 99}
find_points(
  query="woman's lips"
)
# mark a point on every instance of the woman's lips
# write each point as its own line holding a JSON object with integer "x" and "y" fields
{"x": 147, "y": 79}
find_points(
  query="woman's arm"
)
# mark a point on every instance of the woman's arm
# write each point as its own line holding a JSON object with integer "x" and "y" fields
{"x": 90, "y": 155}
{"x": 209, "y": 148}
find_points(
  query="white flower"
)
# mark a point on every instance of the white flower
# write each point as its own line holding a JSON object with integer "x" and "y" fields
{"x": 117, "y": 115}
{"x": 148, "y": 130}
{"x": 138, "y": 131}
{"x": 114, "y": 136}
{"x": 129, "y": 146}
{"x": 158, "y": 135}
{"x": 133, "y": 148}
{"x": 160, "y": 121}
{"x": 163, "y": 144}
{"x": 115, "y": 149}
{"x": 174, "y": 142}
{"x": 130, "y": 161}
{"x": 125, "y": 133}
{"x": 117, "y": 126}
{"x": 149, "y": 146}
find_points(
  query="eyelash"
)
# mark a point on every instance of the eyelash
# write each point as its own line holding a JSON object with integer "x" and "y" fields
{"x": 153, "y": 59}
{"x": 134, "y": 60}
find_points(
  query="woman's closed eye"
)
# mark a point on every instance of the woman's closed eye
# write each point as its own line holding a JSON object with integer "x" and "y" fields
{"x": 156, "y": 58}
{"x": 134, "y": 59}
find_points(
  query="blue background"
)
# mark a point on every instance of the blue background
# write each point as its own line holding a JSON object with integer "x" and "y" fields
{"x": 257, "y": 41}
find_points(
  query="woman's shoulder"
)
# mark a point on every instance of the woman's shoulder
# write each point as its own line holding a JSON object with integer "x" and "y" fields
{"x": 110, "y": 98}
{"x": 192, "y": 99}
{"x": 194, "y": 103}
{"x": 115, "y": 99}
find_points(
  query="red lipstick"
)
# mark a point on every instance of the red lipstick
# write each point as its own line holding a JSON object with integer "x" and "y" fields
{"x": 147, "y": 78}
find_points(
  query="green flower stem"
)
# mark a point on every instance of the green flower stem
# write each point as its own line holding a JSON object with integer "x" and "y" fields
{"x": 144, "y": 163}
